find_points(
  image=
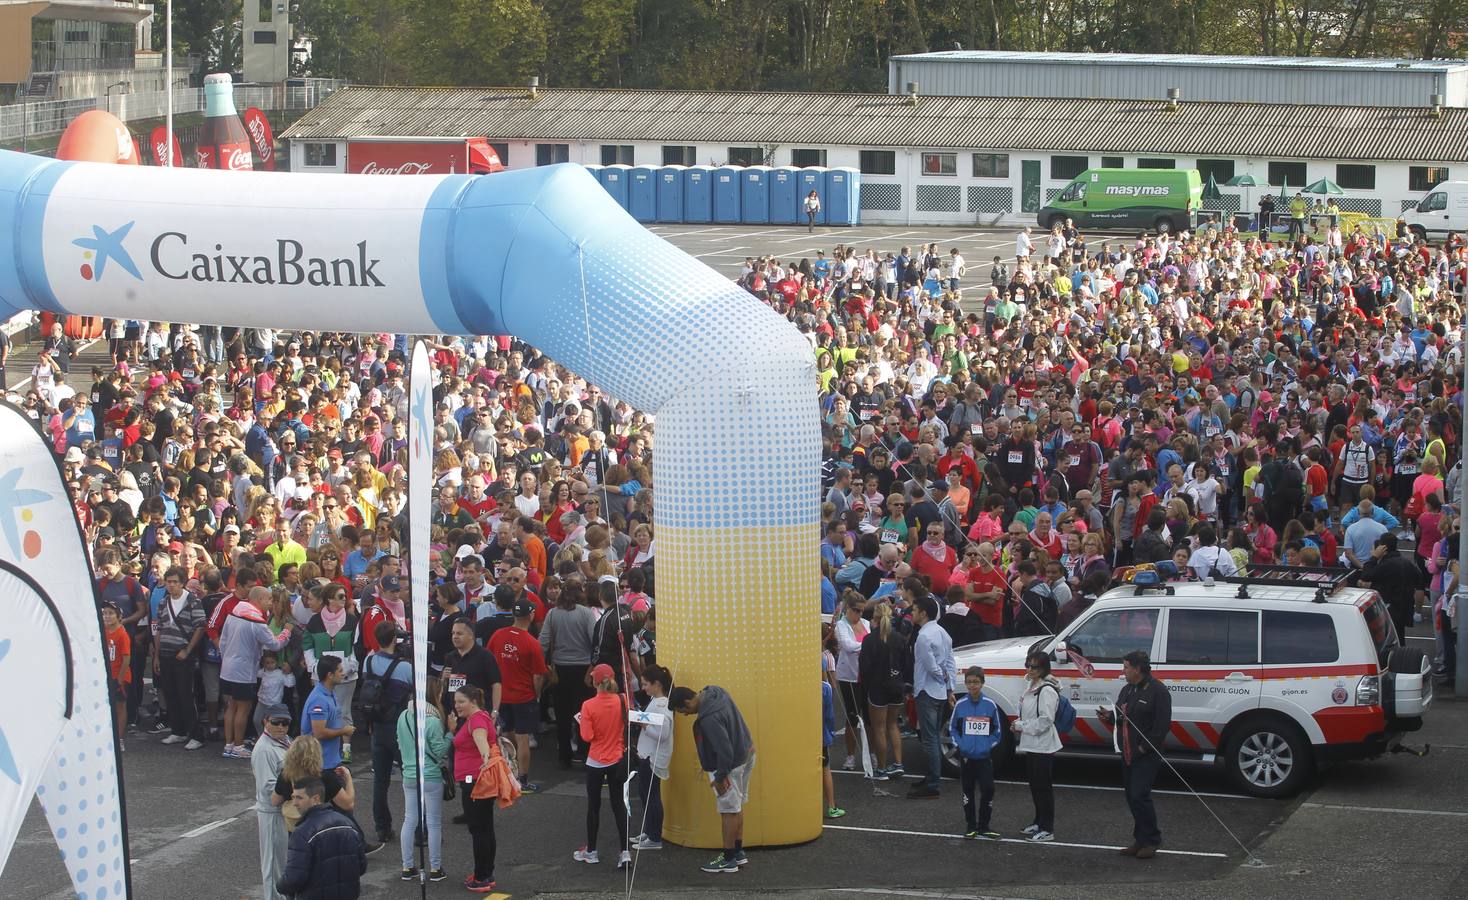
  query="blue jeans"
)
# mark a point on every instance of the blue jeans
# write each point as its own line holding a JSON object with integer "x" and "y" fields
{"x": 384, "y": 757}
{"x": 433, "y": 790}
{"x": 930, "y": 720}
{"x": 651, "y": 792}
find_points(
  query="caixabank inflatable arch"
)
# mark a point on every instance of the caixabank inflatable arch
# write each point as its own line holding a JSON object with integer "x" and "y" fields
{"x": 544, "y": 254}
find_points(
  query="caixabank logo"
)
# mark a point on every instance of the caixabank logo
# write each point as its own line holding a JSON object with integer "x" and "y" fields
{"x": 103, "y": 247}
{"x": 173, "y": 257}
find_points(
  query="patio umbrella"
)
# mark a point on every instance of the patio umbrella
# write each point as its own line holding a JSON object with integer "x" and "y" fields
{"x": 1245, "y": 182}
{"x": 1210, "y": 190}
{"x": 1324, "y": 186}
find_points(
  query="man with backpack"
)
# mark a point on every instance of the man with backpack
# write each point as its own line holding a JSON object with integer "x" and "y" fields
{"x": 1145, "y": 717}
{"x": 384, "y": 692}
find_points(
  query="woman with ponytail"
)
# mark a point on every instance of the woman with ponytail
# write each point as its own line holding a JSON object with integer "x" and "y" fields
{"x": 603, "y": 724}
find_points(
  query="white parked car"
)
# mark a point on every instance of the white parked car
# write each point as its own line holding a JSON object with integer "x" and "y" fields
{"x": 1269, "y": 673}
{"x": 1442, "y": 210}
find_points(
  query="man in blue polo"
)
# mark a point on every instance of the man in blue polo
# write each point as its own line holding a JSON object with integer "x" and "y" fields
{"x": 322, "y": 716}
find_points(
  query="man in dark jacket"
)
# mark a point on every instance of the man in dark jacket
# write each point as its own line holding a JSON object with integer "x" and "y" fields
{"x": 1152, "y": 547}
{"x": 726, "y": 753}
{"x": 1143, "y": 716}
{"x": 326, "y": 856}
{"x": 1396, "y": 578}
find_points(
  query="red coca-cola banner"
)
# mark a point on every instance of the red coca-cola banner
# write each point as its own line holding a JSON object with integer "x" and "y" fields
{"x": 259, "y": 128}
{"x": 161, "y": 155}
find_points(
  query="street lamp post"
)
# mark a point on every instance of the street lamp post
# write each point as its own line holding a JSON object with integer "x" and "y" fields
{"x": 115, "y": 84}
{"x": 168, "y": 98}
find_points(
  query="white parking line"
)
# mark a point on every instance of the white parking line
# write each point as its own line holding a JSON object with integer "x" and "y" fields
{"x": 944, "y": 895}
{"x": 936, "y": 834}
{"x": 1387, "y": 809}
{"x": 725, "y": 252}
{"x": 1085, "y": 787}
{"x": 205, "y": 829}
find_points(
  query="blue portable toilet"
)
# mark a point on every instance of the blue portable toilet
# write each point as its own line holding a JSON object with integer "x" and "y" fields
{"x": 754, "y": 195}
{"x": 812, "y": 179}
{"x": 642, "y": 193}
{"x": 728, "y": 181}
{"x": 614, "y": 180}
{"x": 785, "y": 198}
{"x": 698, "y": 195}
{"x": 842, "y": 203}
{"x": 670, "y": 193}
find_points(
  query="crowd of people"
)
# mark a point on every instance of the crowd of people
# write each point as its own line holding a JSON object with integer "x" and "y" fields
{"x": 999, "y": 447}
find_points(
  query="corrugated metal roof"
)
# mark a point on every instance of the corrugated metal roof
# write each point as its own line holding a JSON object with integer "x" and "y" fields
{"x": 1208, "y": 129}
{"x": 1181, "y": 59}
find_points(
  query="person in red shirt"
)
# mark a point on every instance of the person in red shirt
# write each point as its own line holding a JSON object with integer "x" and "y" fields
{"x": 119, "y": 665}
{"x": 522, "y": 674}
{"x": 987, "y": 588}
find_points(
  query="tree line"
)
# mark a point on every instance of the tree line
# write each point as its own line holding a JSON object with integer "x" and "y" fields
{"x": 837, "y": 45}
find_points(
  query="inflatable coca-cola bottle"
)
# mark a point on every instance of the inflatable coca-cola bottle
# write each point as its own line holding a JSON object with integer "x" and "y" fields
{"x": 224, "y": 143}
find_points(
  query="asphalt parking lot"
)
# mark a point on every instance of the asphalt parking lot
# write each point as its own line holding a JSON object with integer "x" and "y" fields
{"x": 1364, "y": 828}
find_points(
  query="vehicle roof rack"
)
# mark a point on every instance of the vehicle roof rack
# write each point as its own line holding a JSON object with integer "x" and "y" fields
{"x": 1326, "y": 580}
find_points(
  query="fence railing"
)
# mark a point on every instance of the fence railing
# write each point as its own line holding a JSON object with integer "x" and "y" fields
{"x": 52, "y": 116}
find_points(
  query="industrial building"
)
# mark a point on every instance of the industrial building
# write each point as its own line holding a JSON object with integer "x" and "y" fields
{"x": 950, "y": 157}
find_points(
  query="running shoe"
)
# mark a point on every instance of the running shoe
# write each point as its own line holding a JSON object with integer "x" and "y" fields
{"x": 643, "y": 842}
{"x": 896, "y": 770}
{"x": 479, "y": 886}
{"x": 193, "y": 744}
{"x": 880, "y": 775}
{"x": 173, "y": 739}
{"x": 991, "y": 835}
{"x": 849, "y": 764}
{"x": 530, "y": 787}
{"x": 159, "y": 727}
{"x": 437, "y": 875}
{"x": 374, "y": 846}
{"x": 240, "y": 752}
{"x": 624, "y": 859}
{"x": 720, "y": 865}
{"x": 410, "y": 874}
{"x": 1030, "y": 829}
{"x": 740, "y": 859}
{"x": 972, "y": 834}
{"x": 835, "y": 812}
{"x": 1042, "y": 837}
{"x": 587, "y": 856}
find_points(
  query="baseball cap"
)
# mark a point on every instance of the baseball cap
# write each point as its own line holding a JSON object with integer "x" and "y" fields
{"x": 391, "y": 582}
{"x": 602, "y": 672}
{"x": 464, "y": 551}
{"x": 524, "y": 609}
{"x": 335, "y": 453}
{"x": 641, "y": 605}
{"x": 229, "y": 528}
{"x": 75, "y": 455}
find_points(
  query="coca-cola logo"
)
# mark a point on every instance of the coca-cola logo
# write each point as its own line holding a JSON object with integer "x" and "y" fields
{"x": 407, "y": 168}
{"x": 236, "y": 159}
{"x": 257, "y": 133}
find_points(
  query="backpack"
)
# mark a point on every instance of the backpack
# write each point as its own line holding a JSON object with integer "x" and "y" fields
{"x": 380, "y": 698}
{"x": 1065, "y": 713}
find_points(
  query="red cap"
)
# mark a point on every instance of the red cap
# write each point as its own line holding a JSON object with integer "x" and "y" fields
{"x": 602, "y": 672}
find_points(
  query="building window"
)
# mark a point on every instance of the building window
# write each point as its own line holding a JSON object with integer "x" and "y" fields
{"x": 1152, "y": 162}
{"x": 503, "y": 152}
{"x": 1356, "y": 177}
{"x": 746, "y": 156}
{"x": 879, "y": 162}
{"x": 940, "y": 163}
{"x": 1113, "y": 162}
{"x": 1425, "y": 178}
{"x": 1287, "y": 174}
{"x": 991, "y": 165}
{"x": 675, "y": 155}
{"x": 320, "y": 154}
{"x": 806, "y": 159}
{"x": 614, "y": 154}
{"x": 1064, "y": 168}
{"x": 263, "y": 37}
{"x": 267, "y": 11}
{"x": 1221, "y": 170}
{"x": 550, "y": 154}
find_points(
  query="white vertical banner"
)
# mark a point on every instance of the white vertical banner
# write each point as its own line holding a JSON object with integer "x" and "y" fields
{"x": 420, "y": 505}
{"x": 57, "y": 737}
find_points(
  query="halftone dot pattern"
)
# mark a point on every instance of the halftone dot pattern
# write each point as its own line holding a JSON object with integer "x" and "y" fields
{"x": 79, "y": 790}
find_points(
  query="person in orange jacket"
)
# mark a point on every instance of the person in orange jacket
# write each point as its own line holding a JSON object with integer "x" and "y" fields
{"x": 603, "y": 723}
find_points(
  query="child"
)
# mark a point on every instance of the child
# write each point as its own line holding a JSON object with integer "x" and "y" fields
{"x": 119, "y": 665}
{"x": 828, "y": 734}
{"x": 270, "y": 699}
{"x": 977, "y": 729}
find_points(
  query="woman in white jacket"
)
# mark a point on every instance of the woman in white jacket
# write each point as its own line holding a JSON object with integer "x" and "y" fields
{"x": 851, "y": 630}
{"x": 654, "y": 752}
{"x": 1039, "y": 742}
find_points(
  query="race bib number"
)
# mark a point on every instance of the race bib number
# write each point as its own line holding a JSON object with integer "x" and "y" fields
{"x": 890, "y": 536}
{"x": 976, "y": 726}
{"x": 1075, "y": 461}
{"x": 1223, "y": 469}
{"x": 1211, "y": 430}
{"x": 1024, "y": 402}
{"x": 1016, "y": 457}
{"x": 456, "y": 682}
{"x": 976, "y": 429}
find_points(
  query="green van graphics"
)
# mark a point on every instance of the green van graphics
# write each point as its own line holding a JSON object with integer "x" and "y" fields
{"x": 1156, "y": 199}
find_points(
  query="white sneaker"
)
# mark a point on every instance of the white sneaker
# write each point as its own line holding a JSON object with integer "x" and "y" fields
{"x": 586, "y": 856}
{"x": 534, "y": 744}
{"x": 645, "y": 843}
{"x": 624, "y": 860}
{"x": 849, "y": 764}
{"x": 639, "y": 839}
{"x": 193, "y": 744}
{"x": 173, "y": 739}
{"x": 1042, "y": 837}
{"x": 241, "y": 752}
{"x": 1030, "y": 829}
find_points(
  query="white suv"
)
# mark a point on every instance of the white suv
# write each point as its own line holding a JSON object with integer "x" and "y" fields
{"x": 1270, "y": 672}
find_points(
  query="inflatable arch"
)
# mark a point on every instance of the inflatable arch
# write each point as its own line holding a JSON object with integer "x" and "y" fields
{"x": 546, "y": 255}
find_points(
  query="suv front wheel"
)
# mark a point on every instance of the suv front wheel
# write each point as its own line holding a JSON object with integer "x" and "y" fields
{"x": 1269, "y": 757}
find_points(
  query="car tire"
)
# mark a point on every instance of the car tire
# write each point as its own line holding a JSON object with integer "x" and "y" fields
{"x": 1269, "y": 757}
{"x": 1161, "y": 224}
{"x": 1406, "y": 661}
{"x": 1418, "y": 232}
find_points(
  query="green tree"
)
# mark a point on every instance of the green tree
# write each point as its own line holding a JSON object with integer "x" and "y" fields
{"x": 587, "y": 41}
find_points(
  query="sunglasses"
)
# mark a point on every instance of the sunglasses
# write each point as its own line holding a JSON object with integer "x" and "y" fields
{"x": 279, "y": 720}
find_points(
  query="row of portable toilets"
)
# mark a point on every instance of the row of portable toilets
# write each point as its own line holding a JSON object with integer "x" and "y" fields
{"x": 733, "y": 195}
